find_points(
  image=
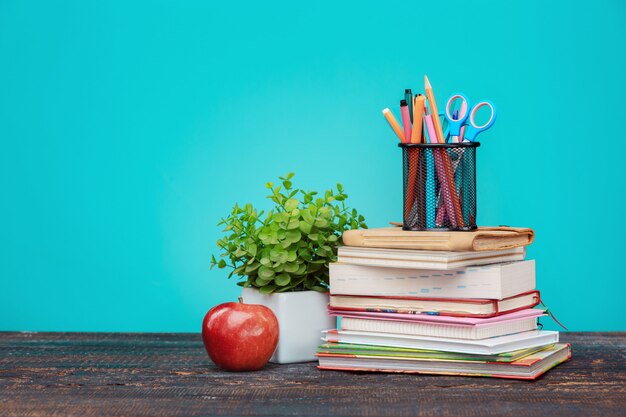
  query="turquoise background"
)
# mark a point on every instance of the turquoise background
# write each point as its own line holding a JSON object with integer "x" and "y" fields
{"x": 128, "y": 128}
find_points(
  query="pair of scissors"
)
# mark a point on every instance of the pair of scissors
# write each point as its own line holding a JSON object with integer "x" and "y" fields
{"x": 466, "y": 119}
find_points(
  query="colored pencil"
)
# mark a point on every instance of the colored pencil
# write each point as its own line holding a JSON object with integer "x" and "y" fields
{"x": 433, "y": 111}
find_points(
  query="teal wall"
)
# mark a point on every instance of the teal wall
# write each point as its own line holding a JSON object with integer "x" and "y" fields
{"x": 128, "y": 128}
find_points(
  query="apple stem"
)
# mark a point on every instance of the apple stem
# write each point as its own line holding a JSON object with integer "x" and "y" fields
{"x": 240, "y": 300}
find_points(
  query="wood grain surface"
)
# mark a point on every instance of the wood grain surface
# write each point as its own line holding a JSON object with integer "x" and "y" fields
{"x": 121, "y": 374}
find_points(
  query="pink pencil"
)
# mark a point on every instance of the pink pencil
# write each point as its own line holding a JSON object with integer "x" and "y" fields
{"x": 406, "y": 120}
{"x": 447, "y": 198}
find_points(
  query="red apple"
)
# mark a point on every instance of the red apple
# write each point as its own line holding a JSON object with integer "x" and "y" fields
{"x": 240, "y": 337}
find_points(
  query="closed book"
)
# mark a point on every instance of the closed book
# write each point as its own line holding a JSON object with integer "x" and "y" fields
{"x": 481, "y": 239}
{"x": 436, "y": 318}
{"x": 454, "y": 331}
{"x": 423, "y": 259}
{"x": 489, "y": 346}
{"x": 496, "y": 281}
{"x": 434, "y": 308}
{"x": 370, "y": 350}
{"x": 529, "y": 367}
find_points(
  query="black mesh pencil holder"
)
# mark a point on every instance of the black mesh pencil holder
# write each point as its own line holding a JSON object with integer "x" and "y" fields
{"x": 439, "y": 186}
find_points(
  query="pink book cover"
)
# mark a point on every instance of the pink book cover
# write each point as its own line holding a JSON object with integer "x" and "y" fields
{"x": 446, "y": 320}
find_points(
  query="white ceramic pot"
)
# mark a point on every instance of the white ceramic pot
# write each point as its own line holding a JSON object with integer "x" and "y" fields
{"x": 302, "y": 315}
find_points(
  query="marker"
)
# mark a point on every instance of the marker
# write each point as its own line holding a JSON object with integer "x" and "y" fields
{"x": 394, "y": 124}
{"x": 408, "y": 96}
{"x": 406, "y": 120}
{"x": 418, "y": 122}
{"x": 430, "y": 177}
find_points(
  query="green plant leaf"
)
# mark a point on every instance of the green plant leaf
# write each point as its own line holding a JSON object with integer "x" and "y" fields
{"x": 261, "y": 282}
{"x": 321, "y": 223}
{"x": 282, "y": 279}
{"x": 293, "y": 224}
{"x": 266, "y": 273}
{"x": 267, "y": 289}
{"x": 305, "y": 227}
{"x": 291, "y": 267}
{"x": 293, "y": 235}
{"x": 291, "y": 204}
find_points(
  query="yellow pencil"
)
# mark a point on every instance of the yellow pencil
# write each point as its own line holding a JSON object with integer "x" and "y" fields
{"x": 433, "y": 111}
{"x": 394, "y": 124}
{"x": 418, "y": 116}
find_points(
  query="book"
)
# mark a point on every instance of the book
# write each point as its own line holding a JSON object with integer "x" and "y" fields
{"x": 529, "y": 367}
{"x": 496, "y": 282}
{"x": 370, "y": 350}
{"x": 423, "y": 259}
{"x": 481, "y": 239}
{"x": 489, "y": 346}
{"x": 431, "y": 307}
{"x": 453, "y": 331}
{"x": 436, "y": 318}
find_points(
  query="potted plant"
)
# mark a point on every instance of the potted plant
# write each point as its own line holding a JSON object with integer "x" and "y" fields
{"x": 281, "y": 259}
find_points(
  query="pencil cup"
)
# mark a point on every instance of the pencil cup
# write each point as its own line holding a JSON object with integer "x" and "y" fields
{"x": 439, "y": 186}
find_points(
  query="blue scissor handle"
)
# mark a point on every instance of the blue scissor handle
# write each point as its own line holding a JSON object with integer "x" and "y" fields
{"x": 472, "y": 130}
{"x": 455, "y": 124}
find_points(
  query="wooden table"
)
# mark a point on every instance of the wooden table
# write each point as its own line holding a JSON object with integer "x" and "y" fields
{"x": 115, "y": 374}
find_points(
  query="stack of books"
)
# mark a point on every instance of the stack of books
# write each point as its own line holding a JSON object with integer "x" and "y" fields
{"x": 438, "y": 312}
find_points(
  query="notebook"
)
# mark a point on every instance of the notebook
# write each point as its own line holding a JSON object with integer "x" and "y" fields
{"x": 484, "y": 238}
{"x": 437, "y": 329}
{"x": 368, "y": 350}
{"x": 436, "y": 308}
{"x": 490, "y": 281}
{"x": 490, "y": 346}
{"x": 423, "y": 259}
{"x": 529, "y": 367}
{"x": 453, "y": 331}
{"x": 436, "y": 318}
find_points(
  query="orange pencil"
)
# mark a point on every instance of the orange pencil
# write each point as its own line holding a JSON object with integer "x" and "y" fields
{"x": 445, "y": 158}
{"x": 394, "y": 124}
{"x": 433, "y": 110}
